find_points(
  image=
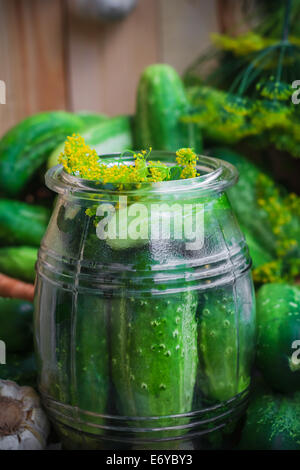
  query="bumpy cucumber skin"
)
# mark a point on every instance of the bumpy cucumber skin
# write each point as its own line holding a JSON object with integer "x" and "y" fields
{"x": 109, "y": 136}
{"x": 92, "y": 361}
{"x": 224, "y": 329}
{"x": 26, "y": 146}
{"x": 53, "y": 329}
{"x": 273, "y": 423}
{"x": 161, "y": 102}
{"x": 154, "y": 353}
{"x": 15, "y": 324}
{"x": 225, "y": 340}
{"x": 278, "y": 319}
{"x": 218, "y": 349}
{"x": 19, "y": 262}
{"x": 78, "y": 373}
{"x": 21, "y": 223}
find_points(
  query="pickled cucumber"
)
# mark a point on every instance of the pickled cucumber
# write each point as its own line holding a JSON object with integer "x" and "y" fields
{"x": 92, "y": 373}
{"x": 225, "y": 343}
{"x": 154, "y": 353}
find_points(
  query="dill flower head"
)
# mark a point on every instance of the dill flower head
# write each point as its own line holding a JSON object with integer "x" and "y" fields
{"x": 80, "y": 160}
{"x": 238, "y": 104}
{"x": 269, "y": 114}
{"x": 243, "y": 44}
{"x": 269, "y": 272}
{"x": 275, "y": 90}
{"x": 187, "y": 159}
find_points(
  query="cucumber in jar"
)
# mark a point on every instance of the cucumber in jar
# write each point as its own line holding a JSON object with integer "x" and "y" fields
{"x": 82, "y": 376}
{"x": 226, "y": 316}
{"x": 91, "y": 356}
{"x": 226, "y": 334}
{"x": 154, "y": 353}
{"x": 153, "y": 335}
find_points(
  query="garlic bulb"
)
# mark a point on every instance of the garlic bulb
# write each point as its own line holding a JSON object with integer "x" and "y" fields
{"x": 105, "y": 10}
{"x": 23, "y": 423}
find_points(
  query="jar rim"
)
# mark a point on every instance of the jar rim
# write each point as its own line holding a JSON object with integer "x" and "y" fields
{"x": 216, "y": 175}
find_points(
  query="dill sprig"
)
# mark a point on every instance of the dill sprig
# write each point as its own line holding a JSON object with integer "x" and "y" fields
{"x": 80, "y": 160}
{"x": 257, "y": 69}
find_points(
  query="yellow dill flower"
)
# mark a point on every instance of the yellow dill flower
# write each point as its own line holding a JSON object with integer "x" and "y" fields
{"x": 80, "y": 160}
{"x": 269, "y": 114}
{"x": 280, "y": 212}
{"x": 187, "y": 159}
{"x": 158, "y": 171}
{"x": 243, "y": 44}
{"x": 236, "y": 104}
{"x": 269, "y": 272}
{"x": 275, "y": 90}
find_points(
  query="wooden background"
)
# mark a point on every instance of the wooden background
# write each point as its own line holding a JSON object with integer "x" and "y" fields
{"x": 52, "y": 59}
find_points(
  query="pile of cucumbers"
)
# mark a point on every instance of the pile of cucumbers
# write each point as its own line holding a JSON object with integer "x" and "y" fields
{"x": 273, "y": 417}
{"x": 34, "y": 145}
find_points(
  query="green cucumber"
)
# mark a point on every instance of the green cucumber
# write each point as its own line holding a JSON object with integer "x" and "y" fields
{"x": 80, "y": 326}
{"x": 147, "y": 226}
{"x": 118, "y": 241}
{"x": 272, "y": 423}
{"x": 154, "y": 353}
{"x": 91, "y": 119}
{"x": 25, "y": 147}
{"x": 16, "y": 324}
{"x": 92, "y": 362}
{"x": 278, "y": 320}
{"x": 19, "y": 262}
{"x": 21, "y": 223}
{"x": 226, "y": 317}
{"x": 161, "y": 102}
{"x": 20, "y": 368}
{"x": 111, "y": 135}
{"x": 226, "y": 342}
{"x": 87, "y": 386}
{"x": 54, "y": 357}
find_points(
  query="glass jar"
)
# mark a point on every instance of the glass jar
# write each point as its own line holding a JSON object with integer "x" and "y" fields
{"x": 144, "y": 311}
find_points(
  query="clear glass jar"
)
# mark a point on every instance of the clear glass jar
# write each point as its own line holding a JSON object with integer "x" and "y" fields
{"x": 144, "y": 337}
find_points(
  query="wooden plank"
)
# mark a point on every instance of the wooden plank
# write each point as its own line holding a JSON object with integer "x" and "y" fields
{"x": 231, "y": 17}
{"x": 31, "y": 58}
{"x": 105, "y": 60}
{"x": 226, "y": 16}
{"x": 185, "y": 30}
